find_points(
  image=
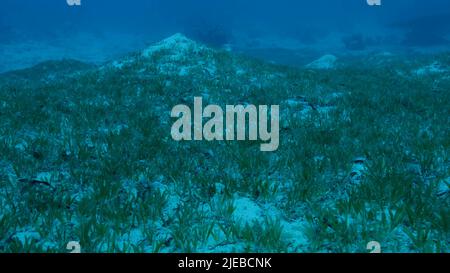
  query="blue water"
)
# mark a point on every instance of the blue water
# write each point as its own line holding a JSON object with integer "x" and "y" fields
{"x": 323, "y": 25}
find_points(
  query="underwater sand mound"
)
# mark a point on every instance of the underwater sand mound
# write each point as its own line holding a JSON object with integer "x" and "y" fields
{"x": 176, "y": 45}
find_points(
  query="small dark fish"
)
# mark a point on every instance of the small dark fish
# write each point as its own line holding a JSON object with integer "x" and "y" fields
{"x": 35, "y": 182}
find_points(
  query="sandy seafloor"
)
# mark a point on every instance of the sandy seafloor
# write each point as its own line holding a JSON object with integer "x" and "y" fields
{"x": 108, "y": 47}
{"x": 101, "y": 47}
